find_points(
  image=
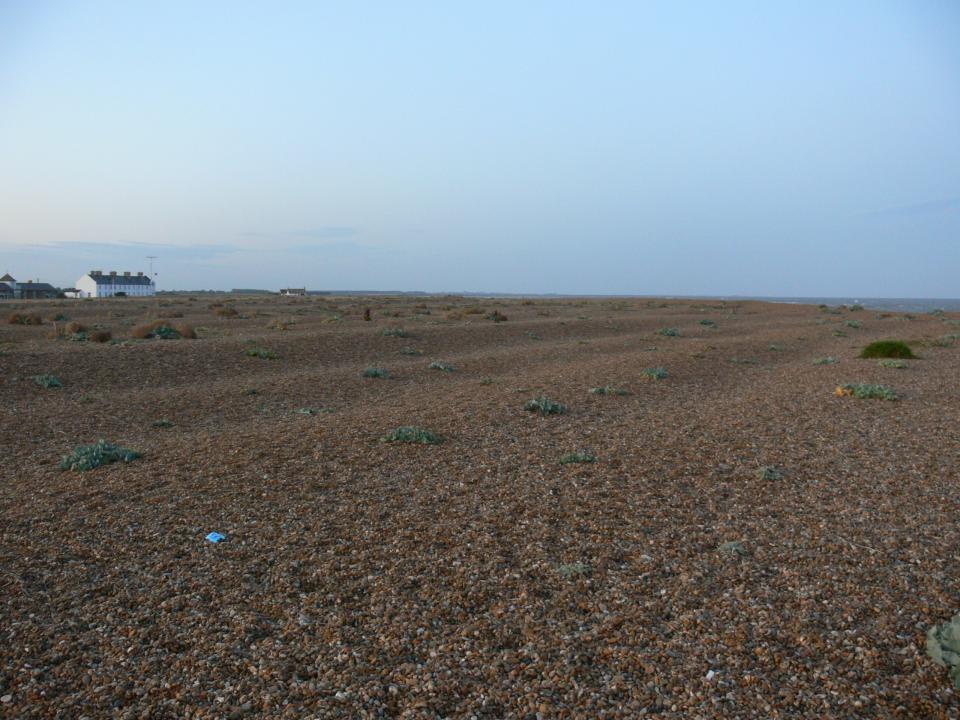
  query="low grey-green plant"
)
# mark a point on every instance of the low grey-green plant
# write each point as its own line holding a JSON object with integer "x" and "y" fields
{"x": 839, "y": 333}
{"x": 654, "y": 373}
{"x": 88, "y": 457}
{"x": 769, "y": 472}
{"x": 162, "y": 423}
{"x": 829, "y": 360}
{"x": 410, "y": 351}
{"x": 572, "y": 570}
{"x": 261, "y": 353}
{"x": 411, "y": 434}
{"x": 855, "y": 324}
{"x": 708, "y": 323}
{"x": 486, "y": 381}
{"x": 545, "y": 406}
{"x": 669, "y": 332}
{"x": 608, "y": 390}
{"x": 314, "y": 411}
{"x": 532, "y": 335}
{"x": 775, "y": 347}
{"x": 375, "y": 372}
{"x": 943, "y": 647}
{"x": 438, "y": 365}
{"x": 395, "y": 332}
{"x": 893, "y": 364}
{"x": 48, "y": 381}
{"x": 734, "y": 548}
{"x": 868, "y": 391}
{"x": 576, "y": 457}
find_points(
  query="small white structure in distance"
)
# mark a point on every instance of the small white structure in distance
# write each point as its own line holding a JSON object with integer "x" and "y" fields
{"x": 96, "y": 284}
{"x": 293, "y": 291}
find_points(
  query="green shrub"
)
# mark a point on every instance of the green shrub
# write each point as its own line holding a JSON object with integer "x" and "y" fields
{"x": 88, "y": 457}
{"x": 744, "y": 361}
{"x": 668, "y": 332}
{"x": 261, "y": 353}
{"x": 545, "y": 406}
{"x": 410, "y": 434}
{"x": 410, "y": 351}
{"x": 887, "y": 349}
{"x": 855, "y": 324}
{"x": 775, "y": 347}
{"x": 395, "y": 332}
{"x": 829, "y": 360}
{"x": 856, "y": 307}
{"x": 576, "y": 457}
{"x": 708, "y": 323}
{"x": 48, "y": 381}
{"x": 162, "y": 423}
{"x": 893, "y": 364}
{"x": 608, "y": 390}
{"x": 437, "y": 365}
{"x": 839, "y": 333}
{"x": 654, "y": 373}
{"x": 497, "y": 317}
{"x": 375, "y": 372}
{"x": 867, "y": 391}
{"x": 532, "y": 335}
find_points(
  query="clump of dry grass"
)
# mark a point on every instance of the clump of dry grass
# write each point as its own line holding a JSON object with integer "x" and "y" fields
{"x": 79, "y": 332}
{"x": 225, "y": 312}
{"x": 24, "y": 319}
{"x": 164, "y": 329}
{"x": 69, "y": 329}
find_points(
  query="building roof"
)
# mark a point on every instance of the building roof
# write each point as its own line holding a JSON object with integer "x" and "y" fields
{"x": 36, "y": 286}
{"x": 120, "y": 279}
{"x": 7, "y": 278}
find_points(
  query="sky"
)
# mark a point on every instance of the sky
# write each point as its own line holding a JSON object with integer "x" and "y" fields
{"x": 705, "y": 148}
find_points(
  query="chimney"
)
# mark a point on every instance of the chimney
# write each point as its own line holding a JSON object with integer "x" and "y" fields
{"x": 139, "y": 274}
{"x": 94, "y": 273}
{"x": 126, "y": 274}
{"x": 113, "y": 273}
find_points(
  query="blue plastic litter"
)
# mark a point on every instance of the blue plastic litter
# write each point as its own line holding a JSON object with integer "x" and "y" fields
{"x": 216, "y": 537}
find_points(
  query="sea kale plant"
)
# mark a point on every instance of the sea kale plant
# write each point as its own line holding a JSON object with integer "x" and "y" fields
{"x": 545, "y": 406}
{"x": 88, "y": 457}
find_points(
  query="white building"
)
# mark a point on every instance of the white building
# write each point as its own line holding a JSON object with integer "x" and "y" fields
{"x": 95, "y": 284}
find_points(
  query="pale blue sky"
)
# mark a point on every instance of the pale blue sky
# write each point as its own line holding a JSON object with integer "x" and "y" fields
{"x": 775, "y": 148}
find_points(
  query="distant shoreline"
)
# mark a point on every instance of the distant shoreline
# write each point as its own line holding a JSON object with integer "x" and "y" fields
{"x": 891, "y": 304}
